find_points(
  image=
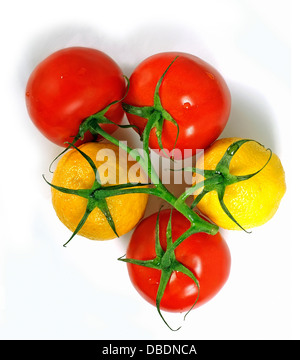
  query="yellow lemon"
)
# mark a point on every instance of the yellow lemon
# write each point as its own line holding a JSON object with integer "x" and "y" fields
{"x": 114, "y": 167}
{"x": 251, "y": 202}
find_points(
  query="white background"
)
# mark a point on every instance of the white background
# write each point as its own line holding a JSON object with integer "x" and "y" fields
{"x": 82, "y": 291}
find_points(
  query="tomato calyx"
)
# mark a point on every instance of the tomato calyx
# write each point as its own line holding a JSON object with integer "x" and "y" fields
{"x": 156, "y": 116}
{"x": 96, "y": 195}
{"x": 90, "y": 123}
{"x": 166, "y": 262}
{"x": 219, "y": 178}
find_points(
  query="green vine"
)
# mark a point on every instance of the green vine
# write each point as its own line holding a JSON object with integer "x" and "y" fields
{"x": 215, "y": 180}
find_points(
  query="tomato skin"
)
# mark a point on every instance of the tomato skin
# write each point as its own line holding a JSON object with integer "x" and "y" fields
{"x": 70, "y": 85}
{"x": 207, "y": 256}
{"x": 192, "y": 91}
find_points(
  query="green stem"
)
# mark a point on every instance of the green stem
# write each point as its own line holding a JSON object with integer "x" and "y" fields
{"x": 159, "y": 189}
{"x": 133, "y": 153}
{"x": 192, "y": 230}
{"x": 199, "y": 224}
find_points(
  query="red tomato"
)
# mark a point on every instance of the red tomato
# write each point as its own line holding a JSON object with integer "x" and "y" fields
{"x": 192, "y": 92}
{"x": 207, "y": 256}
{"x": 70, "y": 85}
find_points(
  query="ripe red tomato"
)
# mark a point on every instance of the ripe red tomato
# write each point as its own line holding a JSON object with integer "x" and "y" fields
{"x": 192, "y": 92}
{"x": 207, "y": 256}
{"x": 70, "y": 85}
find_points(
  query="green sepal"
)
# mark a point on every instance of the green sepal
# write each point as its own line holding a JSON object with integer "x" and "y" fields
{"x": 158, "y": 248}
{"x": 166, "y": 263}
{"x": 89, "y": 208}
{"x": 87, "y": 158}
{"x": 164, "y": 279}
{"x": 223, "y": 164}
{"x": 181, "y": 268}
{"x": 154, "y": 264}
{"x": 102, "y": 205}
{"x": 85, "y": 193}
{"x": 89, "y": 194}
{"x": 199, "y": 197}
{"x": 156, "y": 116}
{"x": 219, "y": 178}
{"x": 221, "y": 192}
{"x": 123, "y": 189}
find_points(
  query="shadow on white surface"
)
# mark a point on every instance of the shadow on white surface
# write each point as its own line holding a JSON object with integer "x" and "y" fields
{"x": 250, "y": 117}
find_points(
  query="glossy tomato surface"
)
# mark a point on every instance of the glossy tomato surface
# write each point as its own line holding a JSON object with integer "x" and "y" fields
{"x": 70, "y": 85}
{"x": 192, "y": 91}
{"x": 207, "y": 256}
